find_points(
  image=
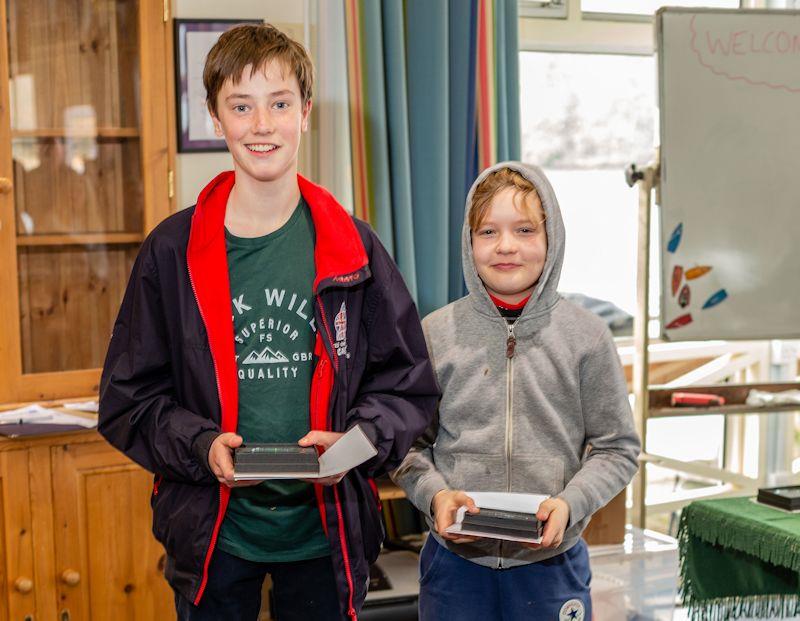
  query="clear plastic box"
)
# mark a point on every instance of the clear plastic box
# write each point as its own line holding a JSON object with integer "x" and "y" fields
{"x": 635, "y": 580}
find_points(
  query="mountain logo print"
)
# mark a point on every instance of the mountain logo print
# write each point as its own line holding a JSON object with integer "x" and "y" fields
{"x": 266, "y": 356}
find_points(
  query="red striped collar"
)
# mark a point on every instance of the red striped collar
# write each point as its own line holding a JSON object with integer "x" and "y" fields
{"x": 508, "y": 305}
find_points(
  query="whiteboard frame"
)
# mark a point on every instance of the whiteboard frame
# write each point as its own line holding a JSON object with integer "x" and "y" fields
{"x": 659, "y": 39}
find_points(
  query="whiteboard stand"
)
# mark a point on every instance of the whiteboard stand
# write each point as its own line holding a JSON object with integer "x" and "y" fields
{"x": 647, "y": 180}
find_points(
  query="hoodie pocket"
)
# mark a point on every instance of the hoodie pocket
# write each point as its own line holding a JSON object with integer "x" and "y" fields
{"x": 478, "y": 473}
{"x": 531, "y": 474}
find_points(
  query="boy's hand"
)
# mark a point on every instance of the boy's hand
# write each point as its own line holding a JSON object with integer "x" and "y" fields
{"x": 444, "y": 506}
{"x": 325, "y": 439}
{"x": 554, "y": 512}
{"x": 220, "y": 459}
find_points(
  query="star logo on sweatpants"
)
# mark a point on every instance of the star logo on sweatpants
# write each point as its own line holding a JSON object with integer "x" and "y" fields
{"x": 572, "y": 610}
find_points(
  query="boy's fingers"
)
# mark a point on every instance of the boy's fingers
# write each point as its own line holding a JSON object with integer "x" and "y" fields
{"x": 544, "y": 512}
{"x": 230, "y": 440}
{"x": 462, "y": 499}
{"x": 458, "y": 538}
{"x": 309, "y": 439}
{"x": 224, "y": 466}
{"x": 547, "y": 536}
{"x": 321, "y": 438}
{"x": 552, "y": 536}
{"x": 463, "y": 539}
{"x": 444, "y": 521}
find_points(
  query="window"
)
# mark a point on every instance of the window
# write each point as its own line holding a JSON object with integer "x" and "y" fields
{"x": 649, "y": 7}
{"x": 587, "y": 113}
{"x": 585, "y": 118}
{"x": 543, "y": 8}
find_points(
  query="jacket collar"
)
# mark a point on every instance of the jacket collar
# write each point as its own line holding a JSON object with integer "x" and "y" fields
{"x": 339, "y": 254}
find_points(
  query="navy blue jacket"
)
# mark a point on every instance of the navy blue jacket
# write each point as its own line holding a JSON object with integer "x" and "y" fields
{"x": 169, "y": 383}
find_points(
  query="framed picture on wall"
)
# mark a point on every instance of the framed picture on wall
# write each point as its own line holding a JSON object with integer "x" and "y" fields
{"x": 193, "y": 40}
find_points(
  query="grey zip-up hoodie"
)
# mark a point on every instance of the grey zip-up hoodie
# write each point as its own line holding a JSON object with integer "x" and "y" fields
{"x": 553, "y": 418}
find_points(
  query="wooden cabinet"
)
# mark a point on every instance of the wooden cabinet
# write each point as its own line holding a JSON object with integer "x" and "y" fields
{"x": 76, "y": 543}
{"x": 86, "y": 146}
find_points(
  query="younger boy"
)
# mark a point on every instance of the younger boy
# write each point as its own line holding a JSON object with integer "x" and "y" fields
{"x": 265, "y": 313}
{"x": 533, "y": 400}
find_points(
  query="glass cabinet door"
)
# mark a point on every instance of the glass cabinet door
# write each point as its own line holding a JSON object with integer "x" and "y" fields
{"x": 74, "y": 71}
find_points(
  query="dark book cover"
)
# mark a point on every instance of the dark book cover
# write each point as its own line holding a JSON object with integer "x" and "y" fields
{"x": 261, "y": 460}
{"x": 786, "y": 497}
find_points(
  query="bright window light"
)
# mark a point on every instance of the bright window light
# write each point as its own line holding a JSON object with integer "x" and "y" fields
{"x": 649, "y": 7}
{"x": 585, "y": 118}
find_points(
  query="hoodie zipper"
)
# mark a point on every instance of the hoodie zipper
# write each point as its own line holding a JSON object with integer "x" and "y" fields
{"x": 511, "y": 346}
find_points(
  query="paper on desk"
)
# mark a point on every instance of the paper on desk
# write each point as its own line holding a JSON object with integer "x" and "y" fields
{"x": 505, "y": 501}
{"x": 37, "y": 414}
{"x": 84, "y": 406}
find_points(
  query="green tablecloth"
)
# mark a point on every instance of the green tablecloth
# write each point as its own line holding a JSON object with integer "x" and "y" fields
{"x": 739, "y": 559}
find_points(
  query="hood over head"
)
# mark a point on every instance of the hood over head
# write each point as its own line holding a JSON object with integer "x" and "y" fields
{"x": 545, "y": 293}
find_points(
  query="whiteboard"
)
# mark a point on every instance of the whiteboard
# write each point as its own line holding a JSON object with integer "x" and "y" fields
{"x": 729, "y": 110}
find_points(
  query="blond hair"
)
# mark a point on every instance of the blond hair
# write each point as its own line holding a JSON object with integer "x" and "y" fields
{"x": 494, "y": 183}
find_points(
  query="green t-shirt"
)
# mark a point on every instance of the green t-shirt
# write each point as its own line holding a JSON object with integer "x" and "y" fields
{"x": 273, "y": 317}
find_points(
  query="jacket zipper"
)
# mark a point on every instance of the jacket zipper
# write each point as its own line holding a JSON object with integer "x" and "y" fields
{"x": 328, "y": 333}
{"x": 511, "y": 345}
{"x": 315, "y": 397}
{"x": 205, "y": 323}
{"x": 213, "y": 541}
{"x": 351, "y": 611}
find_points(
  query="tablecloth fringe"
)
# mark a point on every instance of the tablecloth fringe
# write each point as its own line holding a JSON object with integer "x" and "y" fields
{"x": 779, "y": 606}
{"x": 757, "y": 606}
{"x": 757, "y": 539}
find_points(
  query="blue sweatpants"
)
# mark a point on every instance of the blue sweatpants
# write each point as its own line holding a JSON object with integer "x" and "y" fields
{"x": 452, "y": 587}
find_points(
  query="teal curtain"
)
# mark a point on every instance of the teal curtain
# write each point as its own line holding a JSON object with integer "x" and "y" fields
{"x": 416, "y": 66}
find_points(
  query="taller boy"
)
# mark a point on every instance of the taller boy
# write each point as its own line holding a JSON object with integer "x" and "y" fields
{"x": 264, "y": 313}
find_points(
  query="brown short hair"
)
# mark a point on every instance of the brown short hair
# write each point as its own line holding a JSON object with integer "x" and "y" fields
{"x": 254, "y": 45}
{"x": 494, "y": 182}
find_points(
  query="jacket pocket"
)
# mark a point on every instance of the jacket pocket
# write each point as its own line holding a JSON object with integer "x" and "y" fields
{"x": 372, "y": 533}
{"x": 532, "y": 474}
{"x": 195, "y": 341}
